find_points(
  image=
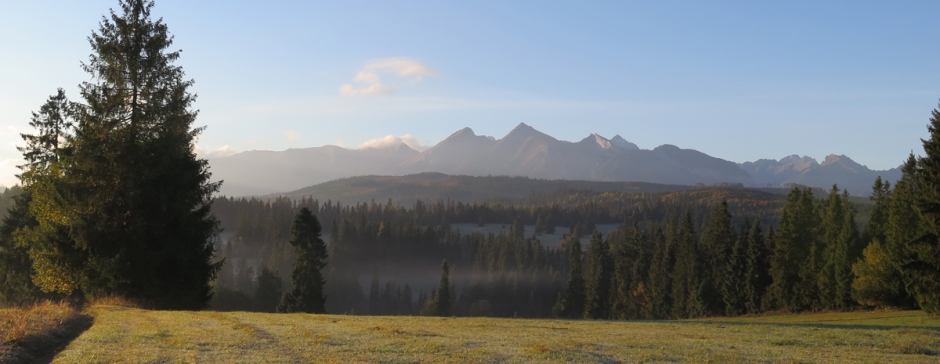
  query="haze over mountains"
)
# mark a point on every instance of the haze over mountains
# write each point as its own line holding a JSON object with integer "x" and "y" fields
{"x": 531, "y": 153}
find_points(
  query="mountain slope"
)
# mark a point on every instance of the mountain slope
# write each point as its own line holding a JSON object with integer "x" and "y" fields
{"x": 839, "y": 170}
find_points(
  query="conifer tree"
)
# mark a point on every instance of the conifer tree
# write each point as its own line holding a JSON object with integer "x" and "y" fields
{"x": 598, "y": 278}
{"x": 442, "y": 297}
{"x": 375, "y": 307}
{"x": 687, "y": 280}
{"x": 734, "y": 281}
{"x": 571, "y": 302}
{"x": 307, "y": 294}
{"x": 922, "y": 268}
{"x": 877, "y": 227}
{"x": 268, "y": 291}
{"x": 757, "y": 276}
{"x": 791, "y": 263}
{"x": 718, "y": 240}
{"x": 16, "y": 285}
{"x": 127, "y": 210}
{"x": 833, "y": 251}
{"x": 659, "y": 281}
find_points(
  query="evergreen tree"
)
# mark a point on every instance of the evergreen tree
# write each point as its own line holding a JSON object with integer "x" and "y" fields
{"x": 880, "y": 213}
{"x": 375, "y": 307}
{"x": 268, "y": 291}
{"x": 687, "y": 283}
{"x": 407, "y": 303}
{"x": 833, "y": 251}
{"x": 127, "y": 210}
{"x": 922, "y": 269}
{"x": 905, "y": 223}
{"x": 718, "y": 241}
{"x": 659, "y": 282}
{"x": 571, "y": 302}
{"x": 734, "y": 281}
{"x": 16, "y": 285}
{"x": 791, "y": 264}
{"x": 307, "y": 294}
{"x": 598, "y": 278}
{"x": 757, "y": 269}
{"x": 442, "y": 297}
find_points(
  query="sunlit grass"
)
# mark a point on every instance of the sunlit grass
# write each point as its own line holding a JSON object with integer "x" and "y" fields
{"x": 27, "y": 331}
{"x": 124, "y": 334}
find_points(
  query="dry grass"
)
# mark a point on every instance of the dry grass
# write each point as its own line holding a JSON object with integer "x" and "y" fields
{"x": 26, "y": 332}
{"x": 123, "y": 334}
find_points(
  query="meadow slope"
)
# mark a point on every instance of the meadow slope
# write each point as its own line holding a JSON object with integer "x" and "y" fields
{"x": 122, "y": 334}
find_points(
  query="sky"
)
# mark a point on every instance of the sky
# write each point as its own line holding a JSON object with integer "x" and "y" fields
{"x": 738, "y": 80}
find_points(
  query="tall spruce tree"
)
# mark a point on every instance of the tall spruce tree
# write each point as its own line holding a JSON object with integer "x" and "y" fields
{"x": 757, "y": 276}
{"x": 795, "y": 237}
{"x": 718, "y": 241}
{"x": 598, "y": 278}
{"x": 571, "y": 302}
{"x": 443, "y": 305}
{"x": 126, "y": 211}
{"x": 307, "y": 294}
{"x": 659, "y": 281}
{"x": 833, "y": 251}
{"x": 734, "y": 281}
{"x": 687, "y": 282}
{"x": 922, "y": 268}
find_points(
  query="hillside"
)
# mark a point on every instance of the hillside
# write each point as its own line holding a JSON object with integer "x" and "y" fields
{"x": 123, "y": 334}
{"x": 438, "y": 186}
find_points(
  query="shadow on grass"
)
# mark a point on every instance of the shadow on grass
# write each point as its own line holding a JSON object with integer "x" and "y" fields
{"x": 43, "y": 347}
{"x": 813, "y": 325}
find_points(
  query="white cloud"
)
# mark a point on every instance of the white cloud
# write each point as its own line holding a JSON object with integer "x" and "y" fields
{"x": 207, "y": 153}
{"x": 367, "y": 77}
{"x": 339, "y": 143}
{"x": 402, "y": 67}
{"x": 292, "y": 135}
{"x": 397, "y": 67}
{"x": 392, "y": 141}
{"x": 372, "y": 90}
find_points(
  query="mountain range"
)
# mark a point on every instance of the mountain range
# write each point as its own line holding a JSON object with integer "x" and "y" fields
{"x": 530, "y": 153}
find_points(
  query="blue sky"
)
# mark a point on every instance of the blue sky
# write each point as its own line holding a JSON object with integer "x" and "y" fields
{"x": 737, "y": 80}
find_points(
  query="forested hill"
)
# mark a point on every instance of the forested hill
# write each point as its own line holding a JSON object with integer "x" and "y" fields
{"x": 438, "y": 186}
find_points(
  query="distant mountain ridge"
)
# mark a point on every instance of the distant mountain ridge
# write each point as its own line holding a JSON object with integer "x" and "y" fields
{"x": 835, "y": 169}
{"x": 525, "y": 152}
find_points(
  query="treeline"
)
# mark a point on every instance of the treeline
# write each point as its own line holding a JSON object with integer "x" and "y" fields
{"x": 418, "y": 237}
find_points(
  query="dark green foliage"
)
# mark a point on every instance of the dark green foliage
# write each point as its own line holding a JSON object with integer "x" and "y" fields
{"x": 16, "y": 285}
{"x": 734, "y": 284}
{"x": 123, "y": 204}
{"x": 442, "y": 297}
{"x": 269, "y": 291}
{"x": 571, "y": 302}
{"x": 687, "y": 283}
{"x": 631, "y": 254}
{"x": 720, "y": 268}
{"x": 840, "y": 236}
{"x": 307, "y": 294}
{"x": 757, "y": 268}
{"x": 921, "y": 265}
{"x": 792, "y": 267}
{"x": 598, "y": 278}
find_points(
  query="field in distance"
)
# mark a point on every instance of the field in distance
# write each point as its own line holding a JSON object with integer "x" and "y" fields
{"x": 122, "y": 334}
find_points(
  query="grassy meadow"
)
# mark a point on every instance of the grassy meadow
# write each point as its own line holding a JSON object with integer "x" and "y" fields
{"x": 126, "y": 334}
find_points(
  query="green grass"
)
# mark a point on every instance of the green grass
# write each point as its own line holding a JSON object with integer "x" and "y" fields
{"x": 122, "y": 334}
